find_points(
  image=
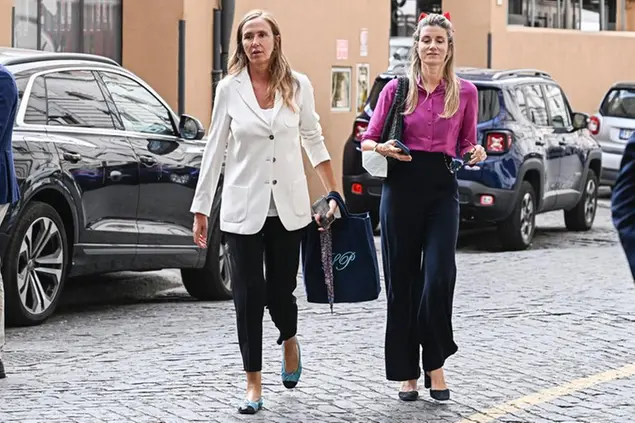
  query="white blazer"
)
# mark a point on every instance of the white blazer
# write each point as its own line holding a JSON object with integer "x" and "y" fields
{"x": 261, "y": 158}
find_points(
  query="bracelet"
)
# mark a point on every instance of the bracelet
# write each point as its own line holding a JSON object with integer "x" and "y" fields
{"x": 375, "y": 149}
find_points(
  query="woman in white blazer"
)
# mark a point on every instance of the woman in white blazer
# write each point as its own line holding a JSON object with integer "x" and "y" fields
{"x": 263, "y": 113}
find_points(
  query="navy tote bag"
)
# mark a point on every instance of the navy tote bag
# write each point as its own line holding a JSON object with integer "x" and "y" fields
{"x": 353, "y": 262}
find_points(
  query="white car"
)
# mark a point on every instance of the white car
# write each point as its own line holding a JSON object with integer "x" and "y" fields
{"x": 612, "y": 127}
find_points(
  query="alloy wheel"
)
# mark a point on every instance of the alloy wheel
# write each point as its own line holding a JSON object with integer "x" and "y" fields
{"x": 40, "y": 265}
{"x": 526, "y": 217}
{"x": 590, "y": 202}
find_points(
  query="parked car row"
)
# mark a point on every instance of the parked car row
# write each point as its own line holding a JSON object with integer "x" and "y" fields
{"x": 612, "y": 126}
{"x": 541, "y": 156}
{"x": 107, "y": 172}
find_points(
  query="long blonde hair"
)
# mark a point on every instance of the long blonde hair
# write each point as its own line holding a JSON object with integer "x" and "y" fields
{"x": 453, "y": 87}
{"x": 281, "y": 77}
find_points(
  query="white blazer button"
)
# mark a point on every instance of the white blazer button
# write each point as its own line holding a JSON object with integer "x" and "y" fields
{"x": 274, "y": 182}
{"x": 271, "y": 137}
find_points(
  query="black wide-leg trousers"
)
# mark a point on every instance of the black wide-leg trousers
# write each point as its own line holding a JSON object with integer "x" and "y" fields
{"x": 254, "y": 289}
{"x": 419, "y": 216}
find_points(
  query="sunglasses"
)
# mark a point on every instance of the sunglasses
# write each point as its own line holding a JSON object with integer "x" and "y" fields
{"x": 457, "y": 164}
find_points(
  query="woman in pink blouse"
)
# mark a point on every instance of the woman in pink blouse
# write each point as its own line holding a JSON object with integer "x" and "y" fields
{"x": 419, "y": 211}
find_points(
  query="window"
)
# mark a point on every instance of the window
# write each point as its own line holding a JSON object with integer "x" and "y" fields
{"x": 536, "y": 106}
{"x": 85, "y": 26}
{"x": 69, "y": 98}
{"x": 520, "y": 102}
{"x": 558, "y": 108}
{"x": 36, "y": 107}
{"x": 373, "y": 96}
{"x": 586, "y": 15}
{"x": 488, "y": 104}
{"x": 140, "y": 111}
{"x": 620, "y": 103}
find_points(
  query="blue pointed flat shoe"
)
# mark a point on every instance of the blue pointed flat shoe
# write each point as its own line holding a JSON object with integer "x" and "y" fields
{"x": 250, "y": 407}
{"x": 290, "y": 380}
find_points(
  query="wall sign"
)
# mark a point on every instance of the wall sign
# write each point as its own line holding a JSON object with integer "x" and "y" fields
{"x": 342, "y": 50}
{"x": 363, "y": 42}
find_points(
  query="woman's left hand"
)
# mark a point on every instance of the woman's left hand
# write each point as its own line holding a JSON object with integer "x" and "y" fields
{"x": 478, "y": 155}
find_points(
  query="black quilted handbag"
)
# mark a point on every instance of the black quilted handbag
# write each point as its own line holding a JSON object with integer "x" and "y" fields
{"x": 393, "y": 125}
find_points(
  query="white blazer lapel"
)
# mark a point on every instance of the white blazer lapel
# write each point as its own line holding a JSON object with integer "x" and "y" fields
{"x": 246, "y": 91}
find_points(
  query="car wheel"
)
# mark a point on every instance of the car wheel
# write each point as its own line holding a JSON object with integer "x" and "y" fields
{"x": 582, "y": 216}
{"x": 34, "y": 266}
{"x": 213, "y": 281}
{"x": 517, "y": 231}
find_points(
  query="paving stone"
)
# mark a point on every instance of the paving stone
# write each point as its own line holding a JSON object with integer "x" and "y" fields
{"x": 524, "y": 321}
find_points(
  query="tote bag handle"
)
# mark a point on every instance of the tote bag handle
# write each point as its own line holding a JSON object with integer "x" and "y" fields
{"x": 340, "y": 203}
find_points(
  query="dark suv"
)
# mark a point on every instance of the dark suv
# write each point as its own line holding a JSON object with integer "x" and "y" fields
{"x": 540, "y": 156}
{"x": 107, "y": 174}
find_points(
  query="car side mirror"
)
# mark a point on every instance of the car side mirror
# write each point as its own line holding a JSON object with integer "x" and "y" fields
{"x": 191, "y": 128}
{"x": 580, "y": 120}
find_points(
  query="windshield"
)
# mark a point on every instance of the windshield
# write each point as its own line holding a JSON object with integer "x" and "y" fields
{"x": 620, "y": 103}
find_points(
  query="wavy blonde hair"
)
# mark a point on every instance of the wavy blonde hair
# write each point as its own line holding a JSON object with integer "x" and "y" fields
{"x": 281, "y": 76}
{"x": 453, "y": 86}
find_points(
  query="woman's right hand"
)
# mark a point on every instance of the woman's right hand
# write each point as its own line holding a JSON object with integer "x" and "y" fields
{"x": 388, "y": 149}
{"x": 200, "y": 230}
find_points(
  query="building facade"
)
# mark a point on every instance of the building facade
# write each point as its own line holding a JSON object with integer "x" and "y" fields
{"x": 340, "y": 47}
{"x": 567, "y": 39}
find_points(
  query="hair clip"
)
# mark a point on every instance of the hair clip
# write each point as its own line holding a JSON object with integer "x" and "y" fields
{"x": 446, "y": 15}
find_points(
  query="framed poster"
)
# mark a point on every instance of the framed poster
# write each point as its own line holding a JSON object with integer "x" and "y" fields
{"x": 363, "y": 85}
{"x": 341, "y": 89}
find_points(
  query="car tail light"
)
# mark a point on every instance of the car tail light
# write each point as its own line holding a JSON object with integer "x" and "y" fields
{"x": 357, "y": 188}
{"x": 594, "y": 125}
{"x": 498, "y": 142}
{"x": 359, "y": 129}
{"x": 486, "y": 200}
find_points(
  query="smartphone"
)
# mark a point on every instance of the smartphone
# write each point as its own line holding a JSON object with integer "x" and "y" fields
{"x": 321, "y": 207}
{"x": 404, "y": 150}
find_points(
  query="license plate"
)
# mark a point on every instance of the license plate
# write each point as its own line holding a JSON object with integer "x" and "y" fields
{"x": 625, "y": 134}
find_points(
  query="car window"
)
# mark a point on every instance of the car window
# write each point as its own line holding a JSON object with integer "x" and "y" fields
{"x": 558, "y": 109}
{"x": 379, "y": 85}
{"x": 488, "y": 104}
{"x": 140, "y": 111}
{"x": 68, "y": 98}
{"x": 520, "y": 101}
{"x": 620, "y": 103}
{"x": 36, "y": 107}
{"x": 536, "y": 106}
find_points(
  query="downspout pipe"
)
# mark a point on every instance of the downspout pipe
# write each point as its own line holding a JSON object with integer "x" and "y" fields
{"x": 217, "y": 71}
{"x": 223, "y": 21}
{"x": 229, "y": 9}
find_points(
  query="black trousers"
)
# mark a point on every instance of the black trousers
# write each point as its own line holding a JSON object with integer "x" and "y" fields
{"x": 253, "y": 289}
{"x": 419, "y": 216}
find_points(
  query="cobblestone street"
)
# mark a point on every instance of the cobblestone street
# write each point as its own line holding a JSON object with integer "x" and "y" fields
{"x": 537, "y": 330}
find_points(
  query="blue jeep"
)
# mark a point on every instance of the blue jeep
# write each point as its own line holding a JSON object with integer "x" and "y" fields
{"x": 541, "y": 156}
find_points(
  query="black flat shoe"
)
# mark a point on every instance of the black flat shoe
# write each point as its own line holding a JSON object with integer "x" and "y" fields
{"x": 408, "y": 395}
{"x": 2, "y": 373}
{"x": 440, "y": 395}
{"x": 437, "y": 394}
